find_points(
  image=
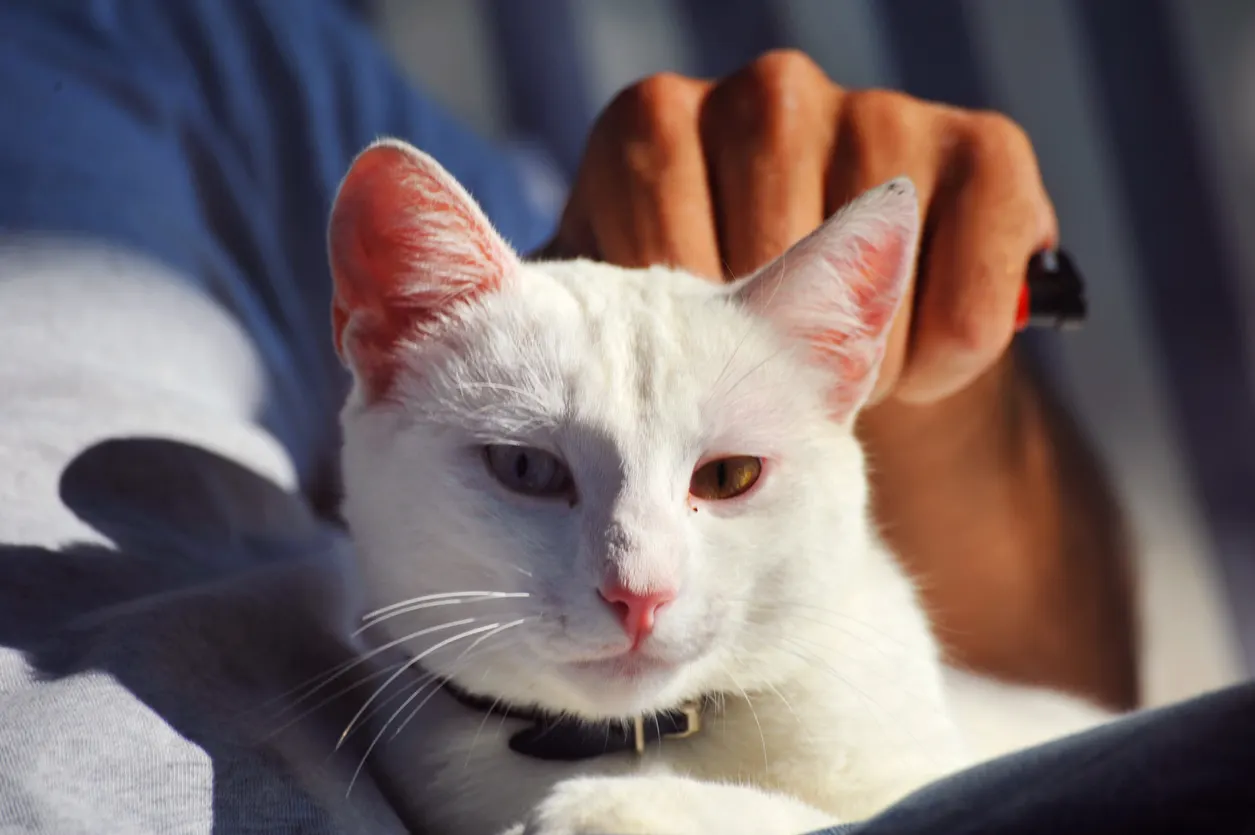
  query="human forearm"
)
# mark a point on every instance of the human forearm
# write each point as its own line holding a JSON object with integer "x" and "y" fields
{"x": 989, "y": 493}
{"x": 998, "y": 505}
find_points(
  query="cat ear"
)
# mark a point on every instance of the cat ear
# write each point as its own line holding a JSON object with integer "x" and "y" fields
{"x": 837, "y": 289}
{"x": 407, "y": 245}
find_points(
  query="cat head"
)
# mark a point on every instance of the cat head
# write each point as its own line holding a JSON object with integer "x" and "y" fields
{"x": 604, "y": 490}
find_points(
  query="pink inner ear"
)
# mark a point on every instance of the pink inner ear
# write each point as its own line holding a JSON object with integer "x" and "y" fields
{"x": 837, "y": 290}
{"x": 874, "y": 298}
{"x": 406, "y": 244}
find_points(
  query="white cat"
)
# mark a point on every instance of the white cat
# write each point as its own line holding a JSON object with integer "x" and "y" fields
{"x": 656, "y": 479}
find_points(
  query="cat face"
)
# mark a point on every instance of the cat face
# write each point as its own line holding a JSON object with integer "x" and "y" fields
{"x": 606, "y": 490}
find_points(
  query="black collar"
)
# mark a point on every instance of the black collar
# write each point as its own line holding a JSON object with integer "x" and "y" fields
{"x": 569, "y": 739}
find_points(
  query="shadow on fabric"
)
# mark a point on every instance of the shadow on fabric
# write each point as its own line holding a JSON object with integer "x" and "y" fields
{"x": 221, "y": 594}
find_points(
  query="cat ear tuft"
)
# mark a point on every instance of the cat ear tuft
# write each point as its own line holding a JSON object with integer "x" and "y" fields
{"x": 838, "y": 289}
{"x": 407, "y": 246}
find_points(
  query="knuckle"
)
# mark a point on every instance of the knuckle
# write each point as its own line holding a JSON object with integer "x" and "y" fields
{"x": 647, "y": 109}
{"x": 992, "y": 138}
{"x": 783, "y": 70}
{"x": 972, "y": 330}
{"x": 772, "y": 101}
{"x": 882, "y": 119}
{"x": 646, "y": 124}
{"x": 997, "y": 159}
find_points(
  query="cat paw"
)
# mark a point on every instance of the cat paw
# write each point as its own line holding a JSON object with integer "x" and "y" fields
{"x": 607, "y": 806}
{"x": 667, "y": 805}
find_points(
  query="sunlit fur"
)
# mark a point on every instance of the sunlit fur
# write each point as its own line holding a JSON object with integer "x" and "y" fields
{"x": 790, "y": 610}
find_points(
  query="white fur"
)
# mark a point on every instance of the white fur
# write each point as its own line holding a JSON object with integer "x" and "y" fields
{"x": 790, "y": 607}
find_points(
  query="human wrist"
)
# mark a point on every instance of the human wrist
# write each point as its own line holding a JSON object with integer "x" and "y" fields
{"x": 978, "y": 427}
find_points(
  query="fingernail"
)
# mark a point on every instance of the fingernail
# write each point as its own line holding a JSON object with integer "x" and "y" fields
{"x": 1022, "y": 310}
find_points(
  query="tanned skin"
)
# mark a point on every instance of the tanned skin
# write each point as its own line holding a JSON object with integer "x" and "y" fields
{"x": 997, "y": 504}
{"x": 982, "y": 481}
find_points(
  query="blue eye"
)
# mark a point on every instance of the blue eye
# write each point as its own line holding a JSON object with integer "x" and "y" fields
{"x": 528, "y": 471}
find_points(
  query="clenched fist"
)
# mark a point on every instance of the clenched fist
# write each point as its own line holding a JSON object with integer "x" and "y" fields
{"x": 982, "y": 484}
{"x": 721, "y": 177}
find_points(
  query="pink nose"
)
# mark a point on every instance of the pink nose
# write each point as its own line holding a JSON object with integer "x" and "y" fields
{"x": 636, "y": 611}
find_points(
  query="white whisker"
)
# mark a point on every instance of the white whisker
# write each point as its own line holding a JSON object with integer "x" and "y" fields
{"x": 479, "y": 730}
{"x": 880, "y": 715}
{"x": 409, "y": 664}
{"x": 353, "y": 727}
{"x": 370, "y": 748}
{"x": 422, "y": 680}
{"x": 325, "y": 678}
{"x": 866, "y": 665}
{"x": 872, "y": 630}
{"x": 787, "y": 703}
{"x": 762, "y": 738}
{"x": 329, "y": 699}
{"x": 497, "y": 631}
{"x": 420, "y": 602}
{"x": 756, "y": 367}
{"x": 745, "y": 337}
{"x": 431, "y": 604}
{"x": 492, "y": 629}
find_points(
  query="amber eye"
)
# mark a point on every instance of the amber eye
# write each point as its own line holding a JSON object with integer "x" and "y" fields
{"x": 725, "y": 478}
{"x": 527, "y": 470}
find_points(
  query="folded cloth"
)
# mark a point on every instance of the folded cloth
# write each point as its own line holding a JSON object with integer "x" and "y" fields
{"x": 166, "y": 169}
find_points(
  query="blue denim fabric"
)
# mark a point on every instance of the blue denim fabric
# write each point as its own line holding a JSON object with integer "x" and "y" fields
{"x": 211, "y": 135}
{"x": 1184, "y": 769}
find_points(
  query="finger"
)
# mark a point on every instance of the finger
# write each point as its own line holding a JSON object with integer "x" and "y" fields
{"x": 643, "y": 196}
{"x": 766, "y": 132}
{"x": 574, "y": 235}
{"x": 990, "y": 218}
{"x": 883, "y": 135}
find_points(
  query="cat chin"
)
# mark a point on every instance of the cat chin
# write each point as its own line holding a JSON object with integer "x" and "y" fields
{"x": 631, "y": 683}
{"x": 623, "y": 686}
{"x": 616, "y": 699}
{"x": 626, "y": 667}
{"x": 606, "y": 689}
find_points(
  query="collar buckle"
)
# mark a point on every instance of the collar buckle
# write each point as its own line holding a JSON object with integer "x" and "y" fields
{"x": 691, "y": 711}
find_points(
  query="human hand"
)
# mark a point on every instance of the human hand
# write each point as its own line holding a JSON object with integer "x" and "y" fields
{"x": 721, "y": 177}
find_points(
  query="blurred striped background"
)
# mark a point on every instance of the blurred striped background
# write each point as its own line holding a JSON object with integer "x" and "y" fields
{"x": 1143, "y": 114}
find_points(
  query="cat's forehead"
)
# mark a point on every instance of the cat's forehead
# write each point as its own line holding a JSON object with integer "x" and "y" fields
{"x": 658, "y": 330}
{"x": 665, "y": 306}
{"x": 601, "y": 290}
{"x": 649, "y": 356}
